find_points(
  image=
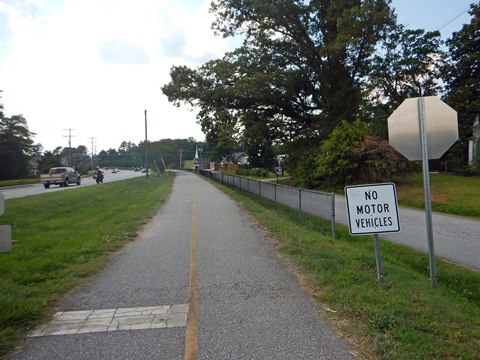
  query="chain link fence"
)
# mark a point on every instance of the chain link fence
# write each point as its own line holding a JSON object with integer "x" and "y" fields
{"x": 316, "y": 203}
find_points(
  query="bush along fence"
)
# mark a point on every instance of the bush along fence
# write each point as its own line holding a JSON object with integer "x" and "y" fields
{"x": 315, "y": 203}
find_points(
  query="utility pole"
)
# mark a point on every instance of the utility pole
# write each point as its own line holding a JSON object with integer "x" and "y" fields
{"x": 146, "y": 145}
{"x": 181, "y": 153}
{"x": 69, "y": 145}
{"x": 91, "y": 144}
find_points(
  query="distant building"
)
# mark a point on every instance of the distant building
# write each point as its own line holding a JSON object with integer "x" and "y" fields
{"x": 240, "y": 158}
{"x": 237, "y": 158}
{"x": 200, "y": 162}
{"x": 474, "y": 143}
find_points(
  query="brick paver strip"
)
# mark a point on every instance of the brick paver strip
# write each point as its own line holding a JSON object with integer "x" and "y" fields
{"x": 138, "y": 318}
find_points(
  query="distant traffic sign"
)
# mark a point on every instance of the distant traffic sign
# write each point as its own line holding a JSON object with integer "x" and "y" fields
{"x": 372, "y": 209}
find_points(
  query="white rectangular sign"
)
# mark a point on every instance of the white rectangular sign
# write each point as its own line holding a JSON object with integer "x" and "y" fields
{"x": 372, "y": 209}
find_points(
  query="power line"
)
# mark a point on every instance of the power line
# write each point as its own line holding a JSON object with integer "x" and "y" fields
{"x": 455, "y": 17}
{"x": 70, "y": 143}
{"x": 91, "y": 141}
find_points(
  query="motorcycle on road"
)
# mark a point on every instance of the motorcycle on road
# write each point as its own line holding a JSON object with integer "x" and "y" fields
{"x": 98, "y": 176}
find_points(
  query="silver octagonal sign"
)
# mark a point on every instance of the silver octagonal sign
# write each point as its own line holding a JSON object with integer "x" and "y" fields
{"x": 440, "y": 123}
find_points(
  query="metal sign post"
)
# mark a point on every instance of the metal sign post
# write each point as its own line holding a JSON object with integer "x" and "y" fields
{"x": 426, "y": 187}
{"x": 421, "y": 129}
{"x": 378, "y": 257}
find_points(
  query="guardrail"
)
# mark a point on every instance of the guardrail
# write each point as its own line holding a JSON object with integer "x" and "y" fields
{"x": 316, "y": 203}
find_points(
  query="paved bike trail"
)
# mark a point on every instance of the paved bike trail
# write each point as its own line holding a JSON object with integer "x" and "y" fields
{"x": 201, "y": 275}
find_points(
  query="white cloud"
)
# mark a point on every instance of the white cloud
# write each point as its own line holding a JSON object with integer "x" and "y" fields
{"x": 95, "y": 66}
{"x": 119, "y": 51}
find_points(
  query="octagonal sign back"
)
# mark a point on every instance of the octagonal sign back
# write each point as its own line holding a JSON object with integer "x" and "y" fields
{"x": 440, "y": 123}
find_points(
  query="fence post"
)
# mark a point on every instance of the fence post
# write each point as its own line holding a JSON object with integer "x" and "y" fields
{"x": 300, "y": 200}
{"x": 333, "y": 215}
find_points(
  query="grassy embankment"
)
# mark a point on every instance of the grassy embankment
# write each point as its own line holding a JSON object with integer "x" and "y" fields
{"x": 404, "y": 318}
{"x": 62, "y": 239}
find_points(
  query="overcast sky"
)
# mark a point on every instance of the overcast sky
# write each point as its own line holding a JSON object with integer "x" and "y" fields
{"x": 94, "y": 66}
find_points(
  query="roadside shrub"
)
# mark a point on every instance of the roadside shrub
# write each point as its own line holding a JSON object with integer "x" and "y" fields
{"x": 307, "y": 174}
{"x": 83, "y": 169}
{"x": 378, "y": 161}
{"x": 350, "y": 156}
{"x": 470, "y": 170}
{"x": 337, "y": 163}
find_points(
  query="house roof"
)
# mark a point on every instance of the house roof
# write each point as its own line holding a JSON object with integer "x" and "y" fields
{"x": 239, "y": 154}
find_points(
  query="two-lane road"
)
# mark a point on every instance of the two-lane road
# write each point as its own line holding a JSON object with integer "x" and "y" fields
{"x": 35, "y": 189}
{"x": 456, "y": 238}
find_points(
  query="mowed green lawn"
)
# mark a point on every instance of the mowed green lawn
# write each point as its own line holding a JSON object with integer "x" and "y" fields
{"x": 451, "y": 194}
{"x": 63, "y": 238}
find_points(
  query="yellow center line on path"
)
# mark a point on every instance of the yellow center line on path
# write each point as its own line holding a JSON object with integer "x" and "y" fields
{"x": 191, "y": 332}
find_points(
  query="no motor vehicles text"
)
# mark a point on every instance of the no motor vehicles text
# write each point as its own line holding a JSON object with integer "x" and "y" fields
{"x": 372, "y": 208}
{"x": 374, "y": 222}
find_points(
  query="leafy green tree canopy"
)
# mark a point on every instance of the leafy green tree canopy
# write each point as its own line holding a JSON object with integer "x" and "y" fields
{"x": 15, "y": 147}
{"x": 50, "y": 159}
{"x": 407, "y": 64}
{"x": 300, "y": 70}
{"x": 462, "y": 77}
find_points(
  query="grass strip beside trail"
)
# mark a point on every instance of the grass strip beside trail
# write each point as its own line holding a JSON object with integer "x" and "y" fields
{"x": 62, "y": 239}
{"x": 19, "y": 182}
{"x": 402, "y": 319}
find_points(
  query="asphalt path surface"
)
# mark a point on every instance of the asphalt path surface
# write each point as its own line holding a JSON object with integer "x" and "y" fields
{"x": 35, "y": 189}
{"x": 204, "y": 250}
{"x": 456, "y": 239}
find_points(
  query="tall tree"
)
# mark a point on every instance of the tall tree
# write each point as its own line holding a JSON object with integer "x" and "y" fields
{"x": 50, "y": 159}
{"x": 331, "y": 40}
{"x": 15, "y": 147}
{"x": 126, "y": 146}
{"x": 462, "y": 78}
{"x": 407, "y": 64}
{"x": 300, "y": 70}
{"x": 258, "y": 143}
